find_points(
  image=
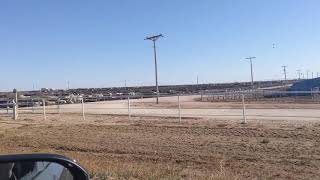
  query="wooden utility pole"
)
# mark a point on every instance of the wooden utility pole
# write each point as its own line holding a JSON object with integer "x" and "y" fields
{"x": 154, "y": 39}
{"x": 250, "y": 58}
{"x": 285, "y": 72}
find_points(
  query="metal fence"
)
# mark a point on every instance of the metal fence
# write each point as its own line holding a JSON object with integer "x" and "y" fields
{"x": 237, "y": 105}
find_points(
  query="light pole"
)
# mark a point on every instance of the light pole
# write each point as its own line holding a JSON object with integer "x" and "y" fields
{"x": 250, "y": 58}
{"x": 154, "y": 39}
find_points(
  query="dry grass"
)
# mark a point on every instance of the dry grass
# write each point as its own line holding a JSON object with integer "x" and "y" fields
{"x": 112, "y": 147}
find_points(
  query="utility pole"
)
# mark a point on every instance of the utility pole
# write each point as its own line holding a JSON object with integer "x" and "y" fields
{"x": 307, "y": 74}
{"x": 250, "y": 58}
{"x": 68, "y": 85}
{"x": 154, "y": 39}
{"x": 317, "y": 74}
{"x": 285, "y": 72}
{"x": 197, "y": 80}
{"x": 311, "y": 75}
{"x": 299, "y": 73}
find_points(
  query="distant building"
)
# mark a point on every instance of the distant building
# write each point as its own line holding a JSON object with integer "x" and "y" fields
{"x": 306, "y": 85}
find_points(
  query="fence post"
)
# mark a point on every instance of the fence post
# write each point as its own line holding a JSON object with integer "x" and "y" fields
{"x": 44, "y": 109}
{"x": 129, "y": 108}
{"x": 244, "y": 111}
{"x": 32, "y": 105}
{"x": 179, "y": 108}
{"x": 15, "y": 105}
{"x": 83, "y": 115}
{"x": 59, "y": 108}
{"x": 14, "y": 108}
{"x": 8, "y": 108}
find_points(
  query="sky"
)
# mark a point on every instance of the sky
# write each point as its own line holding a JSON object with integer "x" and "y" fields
{"x": 100, "y": 43}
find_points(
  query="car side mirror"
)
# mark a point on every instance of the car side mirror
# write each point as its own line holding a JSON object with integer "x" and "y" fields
{"x": 40, "y": 166}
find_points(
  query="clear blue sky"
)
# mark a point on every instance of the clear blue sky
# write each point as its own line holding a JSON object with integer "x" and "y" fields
{"x": 100, "y": 43}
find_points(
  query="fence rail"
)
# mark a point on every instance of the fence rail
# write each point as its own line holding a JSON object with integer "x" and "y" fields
{"x": 241, "y": 105}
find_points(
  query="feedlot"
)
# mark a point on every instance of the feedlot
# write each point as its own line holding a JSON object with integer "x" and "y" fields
{"x": 280, "y": 141}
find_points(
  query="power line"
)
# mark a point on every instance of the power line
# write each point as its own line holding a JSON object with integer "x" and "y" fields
{"x": 154, "y": 39}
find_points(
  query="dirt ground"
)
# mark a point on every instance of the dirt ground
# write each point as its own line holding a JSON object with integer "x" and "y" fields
{"x": 114, "y": 147}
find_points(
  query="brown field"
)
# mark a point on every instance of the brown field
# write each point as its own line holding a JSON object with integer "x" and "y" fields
{"x": 283, "y": 146}
{"x": 161, "y": 148}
